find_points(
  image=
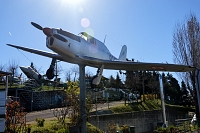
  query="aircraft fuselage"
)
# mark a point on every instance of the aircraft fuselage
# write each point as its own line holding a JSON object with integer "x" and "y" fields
{"x": 83, "y": 45}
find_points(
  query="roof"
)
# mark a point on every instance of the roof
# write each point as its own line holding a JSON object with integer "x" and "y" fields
{"x": 2, "y": 73}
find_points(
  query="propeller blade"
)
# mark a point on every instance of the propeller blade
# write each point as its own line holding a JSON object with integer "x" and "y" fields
{"x": 60, "y": 37}
{"x": 37, "y": 26}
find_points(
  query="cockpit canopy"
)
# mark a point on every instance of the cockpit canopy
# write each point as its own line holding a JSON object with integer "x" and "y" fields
{"x": 87, "y": 37}
{"x": 94, "y": 41}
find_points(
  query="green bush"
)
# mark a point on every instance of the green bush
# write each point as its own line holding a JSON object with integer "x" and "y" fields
{"x": 93, "y": 129}
{"x": 42, "y": 130}
{"x": 40, "y": 122}
{"x": 125, "y": 129}
{"x": 56, "y": 126}
{"x": 166, "y": 130}
{"x": 63, "y": 130}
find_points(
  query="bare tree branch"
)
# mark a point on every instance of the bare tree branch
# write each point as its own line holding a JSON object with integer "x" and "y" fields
{"x": 2, "y": 67}
{"x": 186, "y": 50}
{"x": 12, "y": 67}
{"x": 75, "y": 70}
{"x": 68, "y": 74}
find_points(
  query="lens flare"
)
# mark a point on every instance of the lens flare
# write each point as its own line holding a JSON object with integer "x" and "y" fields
{"x": 74, "y": 2}
{"x": 85, "y": 22}
{"x": 80, "y": 9}
{"x": 90, "y": 31}
{"x": 93, "y": 48}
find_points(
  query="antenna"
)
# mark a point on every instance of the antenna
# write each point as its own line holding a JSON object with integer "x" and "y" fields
{"x": 112, "y": 40}
{"x": 104, "y": 39}
{"x": 24, "y": 55}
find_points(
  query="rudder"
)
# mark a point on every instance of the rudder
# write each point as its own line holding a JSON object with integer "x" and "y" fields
{"x": 123, "y": 53}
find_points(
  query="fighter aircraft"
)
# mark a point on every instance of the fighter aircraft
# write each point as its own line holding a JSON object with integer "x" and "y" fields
{"x": 87, "y": 50}
{"x": 37, "y": 78}
{"x": 32, "y": 74}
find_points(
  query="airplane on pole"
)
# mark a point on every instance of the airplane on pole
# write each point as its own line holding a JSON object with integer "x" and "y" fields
{"x": 85, "y": 50}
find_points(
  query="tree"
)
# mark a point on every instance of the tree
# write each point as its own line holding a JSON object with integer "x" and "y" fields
{"x": 75, "y": 70}
{"x": 15, "y": 117}
{"x": 186, "y": 51}
{"x": 184, "y": 94}
{"x": 152, "y": 82}
{"x": 2, "y": 67}
{"x": 175, "y": 92}
{"x": 68, "y": 74}
{"x": 71, "y": 106}
{"x": 88, "y": 74}
{"x": 111, "y": 82}
{"x": 133, "y": 79}
{"x": 58, "y": 69}
{"x": 118, "y": 82}
{"x": 12, "y": 67}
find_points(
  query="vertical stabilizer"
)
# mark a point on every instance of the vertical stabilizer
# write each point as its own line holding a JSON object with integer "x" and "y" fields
{"x": 123, "y": 53}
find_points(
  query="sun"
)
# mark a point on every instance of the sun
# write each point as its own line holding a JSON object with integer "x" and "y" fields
{"x": 74, "y": 2}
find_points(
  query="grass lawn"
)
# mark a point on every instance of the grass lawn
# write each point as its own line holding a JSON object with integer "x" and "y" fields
{"x": 148, "y": 105}
{"x": 53, "y": 126}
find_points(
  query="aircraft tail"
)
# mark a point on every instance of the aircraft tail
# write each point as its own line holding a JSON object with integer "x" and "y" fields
{"x": 123, "y": 53}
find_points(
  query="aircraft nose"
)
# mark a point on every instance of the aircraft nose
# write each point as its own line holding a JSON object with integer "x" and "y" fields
{"x": 47, "y": 31}
{"x": 22, "y": 68}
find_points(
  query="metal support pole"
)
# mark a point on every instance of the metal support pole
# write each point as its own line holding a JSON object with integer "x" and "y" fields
{"x": 82, "y": 98}
{"x": 31, "y": 100}
{"x": 16, "y": 95}
{"x": 197, "y": 81}
{"x": 162, "y": 101}
{"x": 6, "y": 87}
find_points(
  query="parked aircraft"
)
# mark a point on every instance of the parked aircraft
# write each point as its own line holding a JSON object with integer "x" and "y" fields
{"x": 14, "y": 79}
{"x": 31, "y": 73}
{"x": 11, "y": 79}
{"x": 37, "y": 79}
{"x": 87, "y": 50}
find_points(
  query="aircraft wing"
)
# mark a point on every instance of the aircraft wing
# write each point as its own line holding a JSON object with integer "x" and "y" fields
{"x": 39, "y": 52}
{"x": 114, "y": 65}
{"x": 134, "y": 66}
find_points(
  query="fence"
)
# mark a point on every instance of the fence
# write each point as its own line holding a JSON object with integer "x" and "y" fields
{"x": 186, "y": 125}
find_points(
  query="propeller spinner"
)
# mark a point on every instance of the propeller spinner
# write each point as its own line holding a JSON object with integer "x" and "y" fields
{"x": 48, "y": 32}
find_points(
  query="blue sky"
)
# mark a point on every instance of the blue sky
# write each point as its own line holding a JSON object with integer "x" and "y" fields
{"x": 145, "y": 26}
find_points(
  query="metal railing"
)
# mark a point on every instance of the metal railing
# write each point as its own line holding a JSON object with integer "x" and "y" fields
{"x": 186, "y": 125}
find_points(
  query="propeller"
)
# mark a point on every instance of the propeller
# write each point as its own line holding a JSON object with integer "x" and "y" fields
{"x": 60, "y": 37}
{"x": 48, "y": 32}
{"x": 37, "y": 26}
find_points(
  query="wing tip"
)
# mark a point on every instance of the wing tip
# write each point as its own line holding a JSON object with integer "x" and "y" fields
{"x": 11, "y": 45}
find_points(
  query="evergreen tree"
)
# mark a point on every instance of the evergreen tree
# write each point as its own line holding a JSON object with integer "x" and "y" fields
{"x": 184, "y": 93}
{"x": 111, "y": 82}
{"x": 133, "y": 81}
{"x": 118, "y": 82}
{"x": 172, "y": 90}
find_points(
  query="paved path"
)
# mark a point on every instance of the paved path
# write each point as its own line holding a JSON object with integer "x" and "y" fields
{"x": 49, "y": 113}
{"x": 39, "y": 114}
